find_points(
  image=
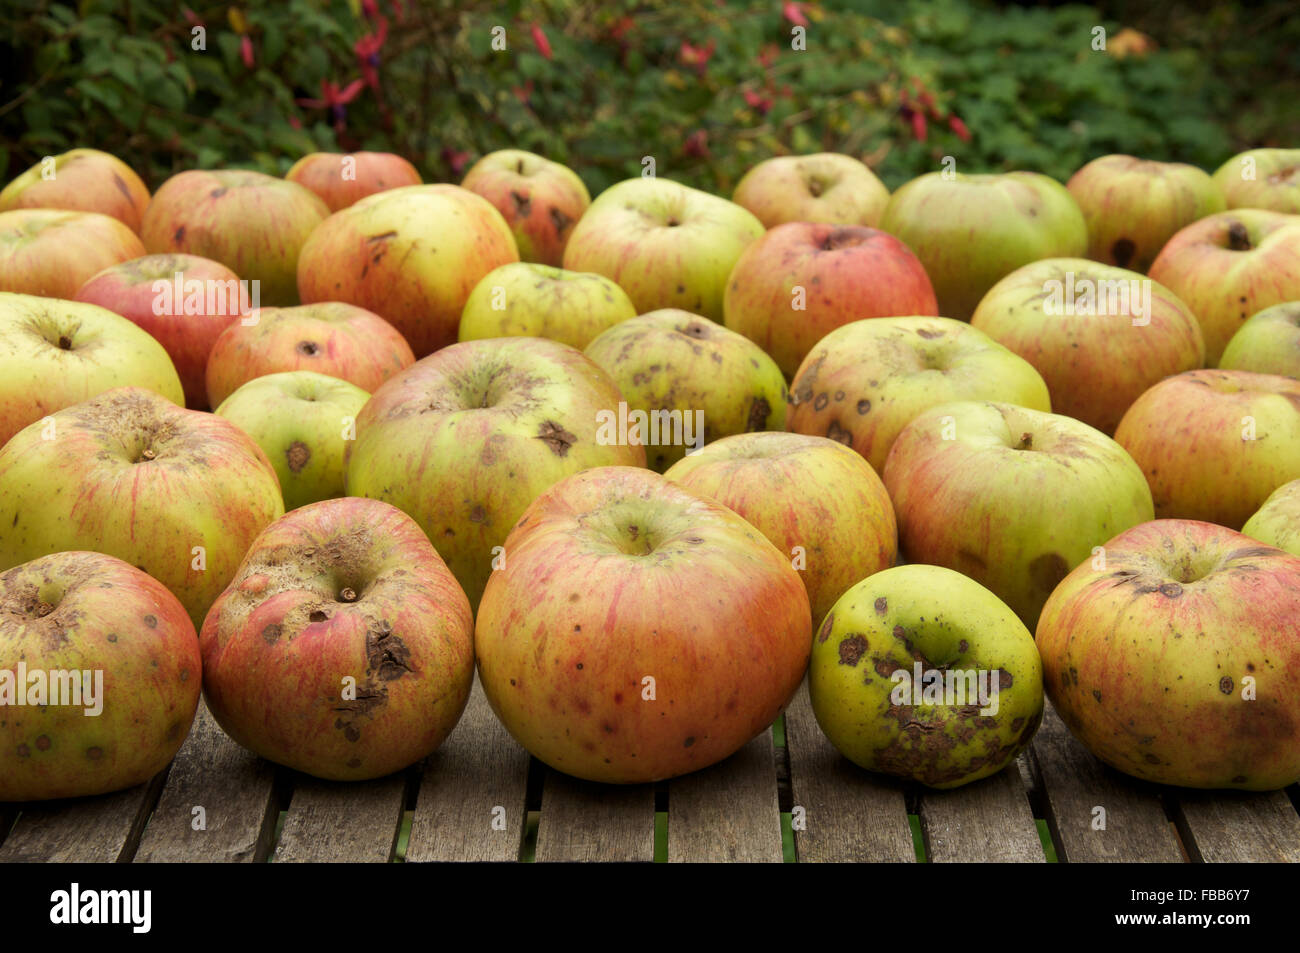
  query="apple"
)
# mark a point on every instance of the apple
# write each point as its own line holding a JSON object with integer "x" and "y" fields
{"x": 343, "y": 647}
{"x": 1229, "y": 266}
{"x": 1133, "y": 206}
{"x": 465, "y": 439}
{"x": 814, "y": 499}
{"x": 1011, "y": 497}
{"x": 800, "y": 281}
{"x": 254, "y": 224}
{"x": 1277, "y": 522}
{"x": 51, "y": 252}
{"x": 99, "y": 677}
{"x": 183, "y": 301}
{"x": 331, "y": 338}
{"x": 303, "y": 422}
{"x": 340, "y": 179}
{"x": 690, "y": 379}
{"x": 1175, "y": 659}
{"x": 864, "y": 382}
{"x": 541, "y": 200}
{"x": 970, "y": 231}
{"x": 411, "y": 255}
{"x": 177, "y": 493}
{"x": 921, "y": 673}
{"x": 1214, "y": 444}
{"x": 81, "y": 180}
{"x": 1262, "y": 178}
{"x": 1099, "y": 335}
{"x": 638, "y": 631}
{"x": 527, "y": 300}
{"x": 823, "y": 187}
{"x": 666, "y": 244}
{"x": 56, "y": 353}
{"x": 1268, "y": 343}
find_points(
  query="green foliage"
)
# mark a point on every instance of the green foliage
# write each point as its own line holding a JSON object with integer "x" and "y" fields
{"x": 706, "y": 88}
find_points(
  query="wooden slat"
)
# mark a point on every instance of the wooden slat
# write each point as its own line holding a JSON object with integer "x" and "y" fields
{"x": 849, "y": 815}
{"x": 986, "y": 821}
{"x": 581, "y": 820}
{"x": 104, "y": 829}
{"x": 8, "y": 812}
{"x": 1238, "y": 826}
{"x": 477, "y": 770}
{"x": 728, "y": 812}
{"x": 1076, "y": 784}
{"x": 342, "y": 821}
{"x": 235, "y": 789}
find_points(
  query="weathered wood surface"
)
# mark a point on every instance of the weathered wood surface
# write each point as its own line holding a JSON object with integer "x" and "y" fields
{"x": 103, "y": 829}
{"x": 342, "y": 822}
{"x": 1236, "y": 827}
{"x": 729, "y": 812}
{"x": 985, "y": 821}
{"x": 582, "y": 821}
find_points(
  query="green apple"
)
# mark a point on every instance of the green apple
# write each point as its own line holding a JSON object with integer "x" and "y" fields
{"x": 686, "y": 381}
{"x": 1277, "y": 522}
{"x": 528, "y": 300}
{"x": 666, "y": 244}
{"x": 826, "y": 187}
{"x": 971, "y": 230}
{"x": 1268, "y": 343}
{"x": 1262, "y": 178}
{"x": 1014, "y": 498}
{"x": 924, "y": 674}
{"x": 303, "y": 422}
{"x": 865, "y": 381}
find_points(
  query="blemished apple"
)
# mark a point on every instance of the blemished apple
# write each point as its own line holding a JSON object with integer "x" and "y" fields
{"x": 99, "y": 677}
{"x": 1099, "y": 335}
{"x": 1277, "y": 522}
{"x": 1268, "y": 343}
{"x": 1214, "y": 444}
{"x": 341, "y": 179}
{"x": 528, "y": 300}
{"x": 178, "y": 493}
{"x": 799, "y": 282}
{"x": 1175, "y": 659}
{"x": 666, "y": 244}
{"x": 685, "y": 381}
{"x": 339, "y": 340}
{"x": 52, "y": 252}
{"x": 1134, "y": 206}
{"x": 1011, "y": 497}
{"x": 466, "y": 438}
{"x": 56, "y": 353}
{"x": 1229, "y": 266}
{"x": 411, "y": 255}
{"x": 864, "y": 382}
{"x": 254, "y": 224}
{"x": 541, "y": 200}
{"x": 823, "y": 187}
{"x": 81, "y": 180}
{"x": 303, "y": 422}
{"x": 183, "y": 301}
{"x": 638, "y": 631}
{"x": 816, "y": 500}
{"x": 1262, "y": 178}
{"x": 970, "y": 231}
{"x": 922, "y": 673}
{"x": 344, "y": 647}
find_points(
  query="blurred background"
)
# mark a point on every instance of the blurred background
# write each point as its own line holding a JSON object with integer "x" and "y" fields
{"x": 707, "y": 87}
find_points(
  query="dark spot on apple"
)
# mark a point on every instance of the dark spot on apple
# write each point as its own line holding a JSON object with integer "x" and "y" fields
{"x": 835, "y": 432}
{"x": 523, "y": 204}
{"x": 1171, "y": 590}
{"x": 1225, "y": 685}
{"x": 112, "y": 637}
{"x": 1005, "y": 680}
{"x": 43, "y": 742}
{"x": 178, "y": 236}
{"x": 851, "y": 649}
{"x": 688, "y": 742}
{"x": 579, "y": 666}
{"x": 218, "y": 192}
{"x": 1151, "y": 758}
{"x": 963, "y": 646}
{"x": 478, "y": 515}
{"x": 381, "y": 238}
{"x": 882, "y": 605}
{"x": 512, "y": 681}
{"x": 931, "y": 333}
{"x": 354, "y": 763}
{"x": 560, "y": 220}
{"x": 821, "y": 401}
{"x": 1238, "y": 237}
{"x": 1096, "y": 694}
{"x": 386, "y": 654}
{"x": 95, "y": 753}
{"x": 65, "y": 343}
{"x": 1048, "y": 570}
{"x": 297, "y": 456}
{"x": 121, "y": 186}
{"x": 574, "y": 597}
{"x": 317, "y": 616}
{"x": 271, "y": 634}
{"x": 185, "y": 675}
{"x": 1239, "y": 779}
{"x": 1122, "y": 252}
{"x": 824, "y": 632}
{"x": 351, "y": 732}
{"x": 759, "y": 411}
{"x": 556, "y": 437}
{"x": 24, "y": 751}
{"x": 308, "y": 348}
{"x": 151, "y": 621}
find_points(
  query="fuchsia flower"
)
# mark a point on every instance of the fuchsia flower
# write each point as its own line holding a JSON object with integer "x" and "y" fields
{"x": 959, "y": 127}
{"x": 540, "y": 41}
{"x": 246, "y": 50}
{"x": 697, "y": 144}
{"x": 697, "y": 56}
{"x": 335, "y": 99}
{"x": 918, "y": 126}
{"x": 455, "y": 159}
{"x": 370, "y": 8}
{"x": 793, "y": 12}
{"x": 759, "y": 102}
{"x": 191, "y": 17}
{"x": 367, "y": 50}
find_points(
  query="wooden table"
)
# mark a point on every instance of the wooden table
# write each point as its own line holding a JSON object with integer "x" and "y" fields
{"x": 786, "y": 795}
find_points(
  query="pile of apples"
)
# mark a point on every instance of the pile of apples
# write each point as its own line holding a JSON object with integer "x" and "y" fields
{"x": 320, "y": 445}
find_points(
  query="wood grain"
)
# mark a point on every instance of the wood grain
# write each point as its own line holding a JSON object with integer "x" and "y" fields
{"x": 1238, "y": 826}
{"x": 97, "y": 830}
{"x": 342, "y": 821}
{"x": 729, "y": 812}
{"x": 585, "y": 821}
{"x": 985, "y": 821}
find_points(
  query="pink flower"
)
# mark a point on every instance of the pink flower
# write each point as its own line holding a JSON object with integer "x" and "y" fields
{"x": 755, "y": 101}
{"x": 697, "y": 144}
{"x": 367, "y": 50}
{"x": 541, "y": 42}
{"x": 959, "y": 127}
{"x": 246, "y": 50}
{"x": 918, "y": 126}
{"x": 793, "y": 12}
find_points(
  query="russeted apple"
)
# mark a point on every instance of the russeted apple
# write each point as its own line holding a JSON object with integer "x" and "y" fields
{"x": 638, "y": 631}
{"x": 1262, "y": 178}
{"x": 1214, "y": 444}
{"x": 178, "y": 493}
{"x": 823, "y": 187}
{"x": 341, "y": 179}
{"x": 816, "y": 500}
{"x": 52, "y": 252}
{"x": 1011, "y": 497}
{"x": 81, "y": 180}
{"x": 540, "y": 200}
{"x": 864, "y": 382}
{"x": 1173, "y": 656}
{"x": 466, "y": 438}
{"x": 799, "y": 282}
{"x": 1268, "y": 343}
{"x": 343, "y": 647}
{"x": 1277, "y": 522}
{"x": 99, "y": 677}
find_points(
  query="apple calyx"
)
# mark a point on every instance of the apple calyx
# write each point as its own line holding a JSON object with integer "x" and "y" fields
{"x": 347, "y": 594}
{"x": 1026, "y": 442}
{"x": 1238, "y": 237}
